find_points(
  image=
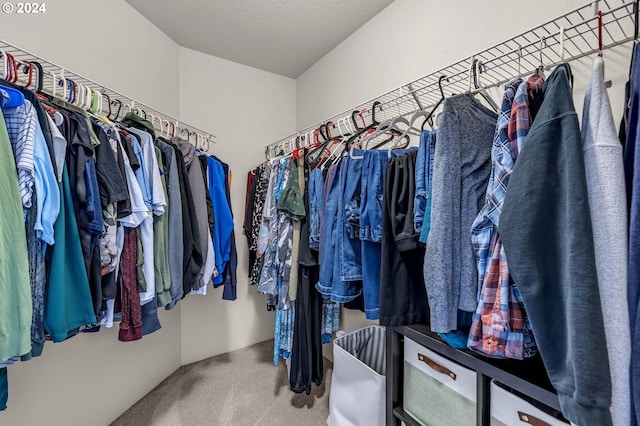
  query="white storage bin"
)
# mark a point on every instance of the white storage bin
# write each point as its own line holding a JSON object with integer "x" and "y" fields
{"x": 358, "y": 382}
{"x": 437, "y": 391}
{"x": 507, "y": 409}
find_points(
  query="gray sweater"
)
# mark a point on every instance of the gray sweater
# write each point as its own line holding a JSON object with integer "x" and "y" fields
{"x": 175, "y": 249}
{"x": 198, "y": 189}
{"x": 461, "y": 171}
{"x": 606, "y": 189}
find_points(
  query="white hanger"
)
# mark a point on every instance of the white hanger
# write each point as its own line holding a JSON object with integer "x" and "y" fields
{"x": 205, "y": 139}
{"x": 338, "y": 145}
{"x": 89, "y": 98}
{"x": 5, "y": 64}
{"x": 64, "y": 84}
{"x": 54, "y": 83}
{"x": 100, "y": 102}
{"x": 79, "y": 94}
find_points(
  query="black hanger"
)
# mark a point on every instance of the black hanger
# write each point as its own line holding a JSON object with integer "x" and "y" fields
{"x": 311, "y": 158}
{"x": 353, "y": 119}
{"x": 108, "y": 103}
{"x": 40, "y": 80}
{"x": 442, "y": 77}
{"x": 373, "y": 125}
{"x": 115, "y": 117}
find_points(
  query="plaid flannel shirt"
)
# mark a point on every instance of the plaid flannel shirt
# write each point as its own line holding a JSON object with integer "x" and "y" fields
{"x": 499, "y": 327}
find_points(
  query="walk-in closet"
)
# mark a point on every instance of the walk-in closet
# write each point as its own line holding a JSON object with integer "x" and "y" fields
{"x": 343, "y": 213}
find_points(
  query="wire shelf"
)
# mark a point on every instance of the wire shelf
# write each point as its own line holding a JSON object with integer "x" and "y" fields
{"x": 563, "y": 39}
{"x": 55, "y": 83}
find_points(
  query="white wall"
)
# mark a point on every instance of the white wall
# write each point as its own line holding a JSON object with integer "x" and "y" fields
{"x": 412, "y": 38}
{"x": 92, "y": 379}
{"x": 246, "y": 108}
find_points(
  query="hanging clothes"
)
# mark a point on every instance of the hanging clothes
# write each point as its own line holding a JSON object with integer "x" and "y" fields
{"x": 256, "y": 221}
{"x": 148, "y": 176}
{"x": 175, "y": 223}
{"x": 403, "y": 299}
{"x": 461, "y": 170}
{"x": 221, "y": 233}
{"x": 631, "y": 165}
{"x": 306, "y": 352}
{"x": 424, "y": 183}
{"x": 551, "y": 255}
{"x": 68, "y": 301}
{"x": 606, "y": 189}
{"x": 500, "y": 327}
{"x": 161, "y": 244}
{"x": 197, "y": 185}
{"x": 192, "y": 255}
{"x": 15, "y": 319}
{"x": 374, "y": 167}
{"x": 230, "y": 273}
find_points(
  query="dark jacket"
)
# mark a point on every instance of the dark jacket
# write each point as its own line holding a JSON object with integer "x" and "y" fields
{"x": 546, "y": 230}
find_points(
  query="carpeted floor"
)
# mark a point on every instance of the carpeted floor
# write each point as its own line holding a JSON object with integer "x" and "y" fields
{"x": 238, "y": 388}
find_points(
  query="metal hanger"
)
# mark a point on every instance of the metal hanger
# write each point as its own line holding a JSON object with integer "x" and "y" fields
{"x": 478, "y": 68}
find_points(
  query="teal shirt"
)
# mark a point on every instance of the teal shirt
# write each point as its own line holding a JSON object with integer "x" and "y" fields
{"x": 68, "y": 304}
{"x": 15, "y": 289}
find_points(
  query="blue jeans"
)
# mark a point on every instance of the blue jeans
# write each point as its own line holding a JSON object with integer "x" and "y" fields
{"x": 328, "y": 231}
{"x": 374, "y": 166}
{"x": 347, "y": 271}
{"x": 316, "y": 193}
{"x": 350, "y": 254}
{"x": 424, "y": 183}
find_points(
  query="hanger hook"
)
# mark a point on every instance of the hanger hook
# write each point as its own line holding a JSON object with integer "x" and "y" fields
{"x": 600, "y": 33}
{"x": 108, "y": 104}
{"x": 440, "y": 79}
{"x": 373, "y": 112}
{"x": 54, "y": 82}
{"x": 561, "y": 44}
{"x": 39, "y": 76}
{"x": 119, "y": 102}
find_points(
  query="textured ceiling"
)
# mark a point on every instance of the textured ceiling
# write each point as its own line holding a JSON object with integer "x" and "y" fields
{"x": 281, "y": 36}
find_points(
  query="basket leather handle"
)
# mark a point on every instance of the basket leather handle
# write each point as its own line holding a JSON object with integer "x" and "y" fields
{"x": 437, "y": 367}
{"x": 532, "y": 420}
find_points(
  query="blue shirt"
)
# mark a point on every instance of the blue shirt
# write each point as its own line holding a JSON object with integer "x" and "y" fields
{"x": 221, "y": 232}
{"x": 47, "y": 189}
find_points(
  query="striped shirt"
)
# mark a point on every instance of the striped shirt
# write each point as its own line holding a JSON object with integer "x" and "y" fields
{"x": 21, "y": 125}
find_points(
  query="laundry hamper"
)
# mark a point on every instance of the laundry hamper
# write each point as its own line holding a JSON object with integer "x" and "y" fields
{"x": 357, "y": 395}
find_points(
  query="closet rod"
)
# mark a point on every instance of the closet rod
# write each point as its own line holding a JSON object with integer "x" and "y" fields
{"x": 576, "y": 31}
{"x": 163, "y": 122}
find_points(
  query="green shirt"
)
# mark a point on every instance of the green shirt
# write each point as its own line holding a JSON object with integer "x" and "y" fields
{"x": 15, "y": 289}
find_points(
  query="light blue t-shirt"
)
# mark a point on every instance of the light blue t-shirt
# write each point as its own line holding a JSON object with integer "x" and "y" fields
{"x": 47, "y": 190}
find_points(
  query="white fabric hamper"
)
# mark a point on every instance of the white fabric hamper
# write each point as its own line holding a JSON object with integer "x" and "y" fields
{"x": 357, "y": 395}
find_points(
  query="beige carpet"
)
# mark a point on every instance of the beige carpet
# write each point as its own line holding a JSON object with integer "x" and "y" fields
{"x": 238, "y": 388}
